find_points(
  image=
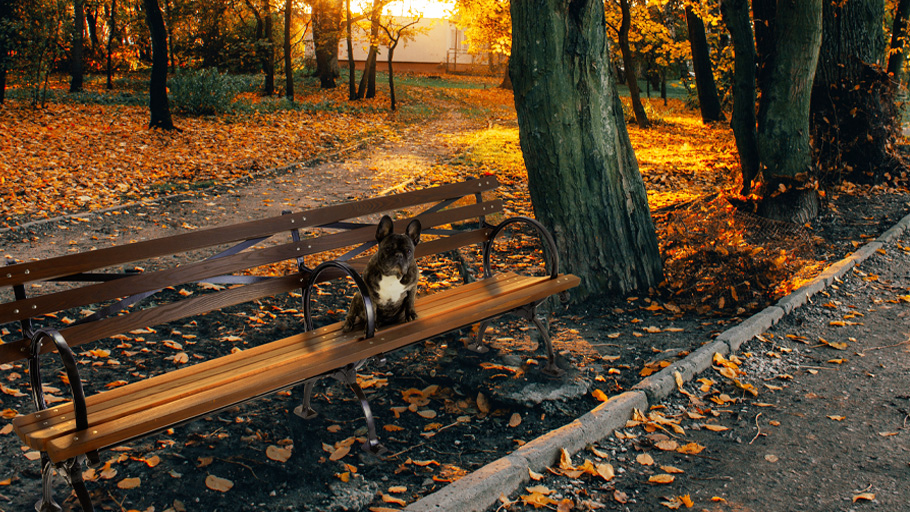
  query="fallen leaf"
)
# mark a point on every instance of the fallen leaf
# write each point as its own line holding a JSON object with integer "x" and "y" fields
{"x": 277, "y": 453}
{"x": 671, "y": 470}
{"x": 644, "y": 459}
{"x": 218, "y": 484}
{"x": 667, "y": 446}
{"x": 605, "y": 471}
{"x": 772, "y": 458}
{"x": 662, "y": 479}
{"x": 715, "y": 428}
{"x": 153, "y": 461}
{"x": 515, "y": 420}
{"x": 392, "y": 499}
{"x": 534, "y": 475}
{"x": 837, "y": 418}
{"x": 691, "y": 448}
{"x": 128, "y": 483}
{"x": 599, "y": 395}
{"x": 6, "y": 429}
{"x": 868, "y": 496}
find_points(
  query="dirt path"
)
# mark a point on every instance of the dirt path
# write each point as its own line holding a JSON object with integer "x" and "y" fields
{"x": 829, "y": 429}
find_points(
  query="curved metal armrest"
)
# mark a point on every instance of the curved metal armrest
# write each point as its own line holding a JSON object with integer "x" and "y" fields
{"x": 546, "y": 237}
{"x": 361, "y": 286}
{"x": 72, "y": 373}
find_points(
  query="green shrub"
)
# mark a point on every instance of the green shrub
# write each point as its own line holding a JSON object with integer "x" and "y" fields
{"x": 204, "y": 92}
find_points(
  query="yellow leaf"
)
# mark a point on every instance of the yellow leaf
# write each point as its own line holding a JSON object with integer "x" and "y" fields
{"x": 716, "y": 428}
{"x": 6, "y": 429}
{"x": 605, "y": 471}
{"x": 218, "y": 484}
{"x": 662, "y": 479}
{"x": 599, "y": 395}
{"x": 153, "y": 461}
{"x": 534, "y": 475}
{"x": 340, "y": 452}
{"x": 687, "y": 500}
{"x": 837, "y": 418}
{"x": 672, "y": 470}
{"x": 691, "y": 448}
{"x": 392, "y": 499}
{"x": 390, "y": 428}
{"x": 667, "y": 445}
{"x": 128, "y": 483}
{"x": 868, "y": 496}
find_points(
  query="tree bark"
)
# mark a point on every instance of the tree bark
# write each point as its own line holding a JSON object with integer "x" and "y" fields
{"x": 854, "y": 118}
{"x": 708, "y": 102}
{"x": 629, "y": 63}
{"x": 783, "y": 116}
{"x": 268, "y": 49}
{"x": 582, "y": 174}
{"x": 326, "y": 35}
{"x": 506, "y": 78}
{"x": 367, "y": 87}
{"x": 6, "y": 13}
{"x": 76, "y": 72}
{"x": 288, "y": 59}
{"x": 764, "y": 15}
{"x": 736, "y": 18}
{"x": 352, "y": 70}
{"x": 898, "y": 35}
{"x": 158, "y": 104}
{"x": 111, "y": 35}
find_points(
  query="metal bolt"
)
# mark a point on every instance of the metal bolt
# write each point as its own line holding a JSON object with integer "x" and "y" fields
{"x": 15, "y": 311}
{"x": 304, "y": 219}
{"x": 34, "y": 306}
{"x": 292, "y": 221}
{"x": 26, "y": 272}
{"x": 75, "y": 438}
{"x": 9, "y": 276}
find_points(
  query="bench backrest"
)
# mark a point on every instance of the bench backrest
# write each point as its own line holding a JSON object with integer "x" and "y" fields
{"x": 113, "y": 293}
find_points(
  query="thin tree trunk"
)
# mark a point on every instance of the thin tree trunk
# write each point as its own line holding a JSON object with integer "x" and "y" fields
{"x": 367, "y": 87}
{"x": 736, "y": 18}
{"x": 5, "y": 15}
{"x": 506, "y": 78}
{"x": 172, "y": 59}
{"x": 629, "y": 63}
{"x": 76, "y": 52}
{"x": 783, "y": 119}
{"x": 708, "y": 102}
{"x": 158, "y": 104}
{"x": 582, "y": 174}
{"x": 288, "y": 60}
{"x": 392, "y": 75}
{"x": 268, "y": 50}
{"x": 352, "y": 70}
{"x": 112, "y": 32}
{"x": 898, "y": 35}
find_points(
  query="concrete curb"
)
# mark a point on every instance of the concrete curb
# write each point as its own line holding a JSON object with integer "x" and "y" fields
{"x": 480, "y": 489}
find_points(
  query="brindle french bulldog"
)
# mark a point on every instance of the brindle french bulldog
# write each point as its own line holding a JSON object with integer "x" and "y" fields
{"x": 391, "y": 278}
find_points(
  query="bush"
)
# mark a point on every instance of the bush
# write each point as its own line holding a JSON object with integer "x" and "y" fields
{"x": 204, "y": 92}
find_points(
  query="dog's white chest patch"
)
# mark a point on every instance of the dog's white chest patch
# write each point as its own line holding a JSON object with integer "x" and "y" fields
{"x": 391, "y": 290}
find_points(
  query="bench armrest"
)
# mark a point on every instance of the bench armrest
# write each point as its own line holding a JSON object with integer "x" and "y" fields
{"x": 550, "y": 252}
{"x": 361, "y": 286}
{"x": 72, "y": 373}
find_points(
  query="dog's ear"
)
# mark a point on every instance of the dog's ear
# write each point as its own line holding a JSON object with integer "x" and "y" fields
{"x": 385, "y": 228}
{"x": 413, "y": 231}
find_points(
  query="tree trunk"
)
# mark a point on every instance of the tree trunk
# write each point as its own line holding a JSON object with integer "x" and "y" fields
{"x": 158, "y": 103}
{"x": 76, "y": 52}
{"x": 268, "y": 50}
{"x": 582, "y": 174}
{"x": 764, "y": 15}
{"x": 783, "y": 116}
{"x": 898, "y": 35}
{"x": 5, "y": 16}
{"x": 629, "y": 63}
{"x": 112, "y": 33}
{"x": 736, "y": 18}
{"x": 172, "y": 60}
{"x": 392, "y": 75}
{"x": 288, "y": 60}
{"x": 854, "y": 118}
{"x": 352, "y": 70}
{"x": 506, "y": 78}
{"x": 367, "y": 87}
{"x": 708, "y": 102}
{"x": 326, "y": 35}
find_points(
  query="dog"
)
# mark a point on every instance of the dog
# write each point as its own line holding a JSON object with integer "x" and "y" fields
{"x": 391, "y": 278}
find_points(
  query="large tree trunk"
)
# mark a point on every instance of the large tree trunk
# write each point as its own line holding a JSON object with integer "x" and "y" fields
{"x": 898, "y": 36}
{"x": 288, "y": 59}
{"x": 582, "y": 174}
{"x": 76, "y": 52}
{"x": 704, "y": 72}
{"x": 506, "y": 78}
{"x": 736, "y": 18}
{"x": 367, "y": 87}
{"x": 629, "y": 63}
{"x": 158, "y": 103}
{"x": 326, "y": 35}
{"x": 854, "y": 117}
{"x": 783, "y": 115}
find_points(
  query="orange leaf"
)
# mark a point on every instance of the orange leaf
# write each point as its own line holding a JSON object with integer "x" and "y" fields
{"x": 218, "y": 484}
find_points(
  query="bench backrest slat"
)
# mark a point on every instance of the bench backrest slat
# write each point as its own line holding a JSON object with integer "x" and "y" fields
{"x": 60, "y": 266}
{"x": 198, "y": 271}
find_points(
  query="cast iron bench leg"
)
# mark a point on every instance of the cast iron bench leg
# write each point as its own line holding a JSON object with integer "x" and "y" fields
{"x": 551, "y": 369}
{"x": 304, "y": 410}
{"x": 47, "y": 503}
{"x": 73, "y": 475}
{"x": 349, "y": 376}
{"x": 477, "y": 345}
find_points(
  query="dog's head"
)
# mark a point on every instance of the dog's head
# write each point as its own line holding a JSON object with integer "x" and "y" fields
{"x": 395, "y": 255}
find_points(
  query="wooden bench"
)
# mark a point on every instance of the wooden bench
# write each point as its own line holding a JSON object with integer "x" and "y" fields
{"x": 453, "y": 216}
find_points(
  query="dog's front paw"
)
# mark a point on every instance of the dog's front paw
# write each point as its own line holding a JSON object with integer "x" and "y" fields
{"x": 410, "y": 315}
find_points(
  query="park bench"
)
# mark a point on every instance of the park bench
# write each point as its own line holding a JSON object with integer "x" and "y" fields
{"x": 454, "y": 216}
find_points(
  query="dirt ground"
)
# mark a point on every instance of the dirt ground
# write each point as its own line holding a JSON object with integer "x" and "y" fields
{"x": 480, "y": 406}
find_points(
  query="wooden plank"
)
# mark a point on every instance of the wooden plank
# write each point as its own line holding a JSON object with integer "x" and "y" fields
{"x": 201, "y": 270}
{"x": 125, "y": 401}
{"x": 428, "y": 305}
{"x": 75, "y": 263}
{"x": 295, "y": 370}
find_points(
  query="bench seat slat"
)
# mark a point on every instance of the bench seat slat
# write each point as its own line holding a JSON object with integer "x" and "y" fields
{"x": 61, "y": 266}
{"x": 488, "y": 301}
{"x": 184, "y": 376}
